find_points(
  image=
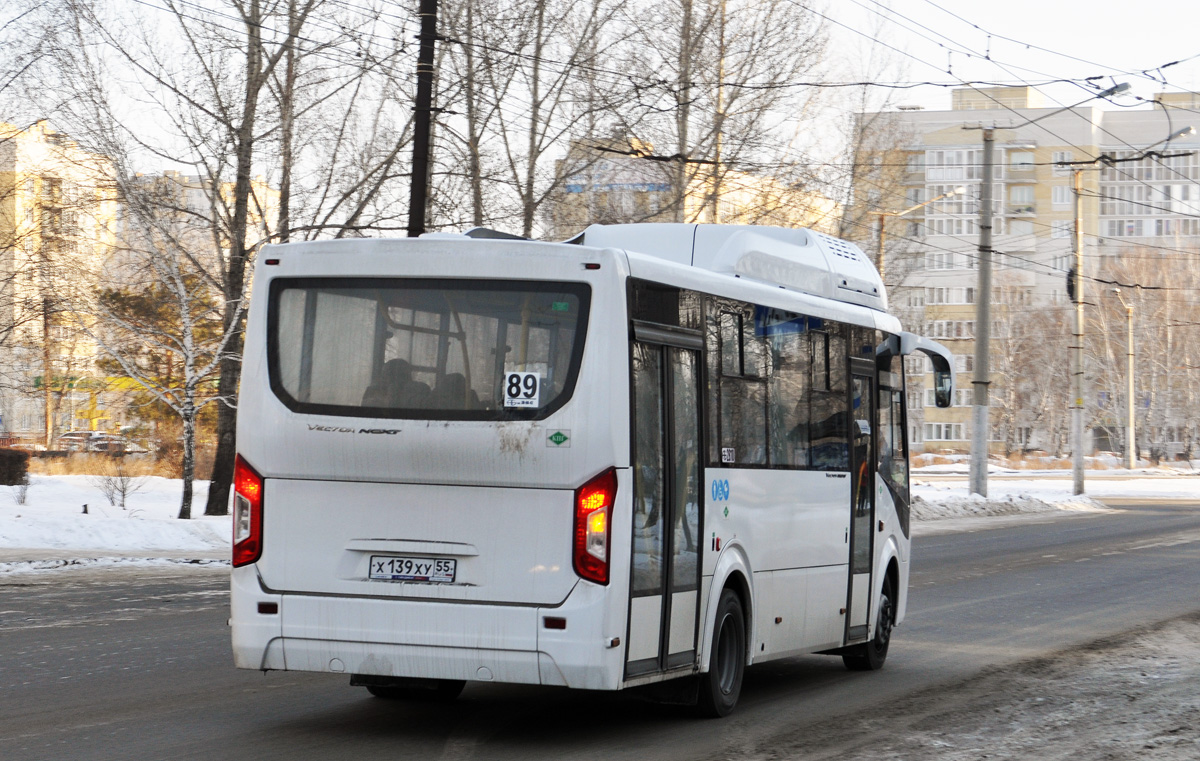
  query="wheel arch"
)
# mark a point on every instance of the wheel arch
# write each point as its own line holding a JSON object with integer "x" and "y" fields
{"x": 890, "y": 560}
{"x": 732, "y": 572}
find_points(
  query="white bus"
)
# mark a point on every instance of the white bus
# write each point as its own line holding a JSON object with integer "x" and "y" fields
{"x": 655, "y": 452}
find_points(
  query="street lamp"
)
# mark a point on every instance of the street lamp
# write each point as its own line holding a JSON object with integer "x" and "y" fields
{"x": 1117, "y": 89}
{"x": 883, "y": 215}
{"x": 1182, "y": 132}
{"x": 1130, "y": 440}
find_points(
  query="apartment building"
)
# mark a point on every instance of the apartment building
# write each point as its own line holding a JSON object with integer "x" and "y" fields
{"x": 57, "y": 225}
{"x": 621, "y": 180}
{"x": 1150, "y": 205}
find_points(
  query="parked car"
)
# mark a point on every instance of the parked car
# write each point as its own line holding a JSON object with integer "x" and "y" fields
{"x": 92, "y": 441}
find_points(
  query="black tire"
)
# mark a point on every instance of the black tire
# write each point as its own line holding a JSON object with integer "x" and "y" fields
{"x": 870, "y": 656}
{"x": 436, "y": 691}
{"x": 721, "y": 686}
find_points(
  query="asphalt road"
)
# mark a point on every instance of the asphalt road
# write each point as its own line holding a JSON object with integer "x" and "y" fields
{"x": 125, "y": 664}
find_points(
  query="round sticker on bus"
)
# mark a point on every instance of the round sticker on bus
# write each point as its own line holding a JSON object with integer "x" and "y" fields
{"x": 522, "y": 389}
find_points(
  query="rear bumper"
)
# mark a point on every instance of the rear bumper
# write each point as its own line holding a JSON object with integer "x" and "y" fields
{"x": 437, "y": 640}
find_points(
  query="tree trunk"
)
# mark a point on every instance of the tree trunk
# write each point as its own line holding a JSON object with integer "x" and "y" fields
{"x": 189, "y": 457}
{"x": 235, "y": 282}
{"x": 683, "y": 99}
{"x": 286, "y": 129}
{"x": 529, "y": 206}
{"x": 475, "y": 162}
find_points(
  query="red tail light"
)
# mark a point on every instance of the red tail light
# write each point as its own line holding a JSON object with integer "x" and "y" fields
{"x": 593, "y": 517}
{"x": 247, "y": 513}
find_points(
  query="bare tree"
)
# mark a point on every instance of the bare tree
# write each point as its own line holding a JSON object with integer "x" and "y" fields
{"x": 728, "y": 97}
{"x": 524, "y": 93}
{"x": 1156, "y": 283}
{"x": 299, "y": 135}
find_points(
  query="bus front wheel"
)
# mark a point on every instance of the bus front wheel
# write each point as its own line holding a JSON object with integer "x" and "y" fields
{"x": 721, "y": 686}
{"x": 870, "y": 656}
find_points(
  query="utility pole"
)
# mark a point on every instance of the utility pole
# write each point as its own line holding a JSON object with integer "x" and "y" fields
{"x": 1130, "y": 435}
{"x": 980, "y": 429}
{"x": 418, "y": 192}
{"x": 1075, "y": 282}
{"x": 1076, "y": 290}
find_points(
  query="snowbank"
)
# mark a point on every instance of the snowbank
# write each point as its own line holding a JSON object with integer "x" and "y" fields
{"x": 936, "y": 496}
{"x": 53, "y": 518}
{"x": 51, "y": 531}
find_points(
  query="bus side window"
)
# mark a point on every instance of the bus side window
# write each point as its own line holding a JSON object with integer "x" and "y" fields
{"x": 820, "y": 361}
{"x": 788, "y": 400}
{"x": 731, "y": 343}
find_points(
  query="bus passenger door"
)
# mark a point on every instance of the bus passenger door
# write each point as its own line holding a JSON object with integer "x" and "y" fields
{"x": 862, "y": 507}
{"x": 665, "y": 577}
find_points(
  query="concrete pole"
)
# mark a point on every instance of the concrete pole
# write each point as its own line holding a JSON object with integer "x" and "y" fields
{"x": 1130, "y": 434}
{"x": 980, "y": 429}
{"x": 1077, "y": 349}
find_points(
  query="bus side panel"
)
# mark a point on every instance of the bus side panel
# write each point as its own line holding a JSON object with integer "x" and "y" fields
{"x": 780, "y": 614}
{"x": 794, "y": 527}
{"x": 825, "y": 625}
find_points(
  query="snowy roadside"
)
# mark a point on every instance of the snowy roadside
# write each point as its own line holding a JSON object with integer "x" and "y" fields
{"x": 51, "y": 531}
{"x": 942, "y": 501}
{"x": 1131, "y": 696}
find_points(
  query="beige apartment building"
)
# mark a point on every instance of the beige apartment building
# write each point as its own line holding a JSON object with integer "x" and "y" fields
{"x": 57, "y": 224}
{"x": 620, "y": 180}
{"x": 1149, "y": 205}
{"x": 66, "y": 231}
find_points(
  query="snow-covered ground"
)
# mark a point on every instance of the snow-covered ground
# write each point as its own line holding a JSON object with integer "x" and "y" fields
{"x": 942, "y": 491}
{"x": 1127, "y": 697}
{"x": 51, "y": 530}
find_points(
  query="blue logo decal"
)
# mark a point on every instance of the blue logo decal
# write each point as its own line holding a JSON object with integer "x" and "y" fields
{"x": 720, "y": 490}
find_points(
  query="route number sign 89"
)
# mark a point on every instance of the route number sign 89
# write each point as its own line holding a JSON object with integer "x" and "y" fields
{"x": 522, "y": 389}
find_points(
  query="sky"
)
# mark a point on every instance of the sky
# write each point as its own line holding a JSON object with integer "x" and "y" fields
{"x": 947, "y": 42}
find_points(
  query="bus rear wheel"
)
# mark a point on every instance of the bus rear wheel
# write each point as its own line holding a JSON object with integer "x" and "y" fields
{"x": 721, "y": 686}
{"x": 870, "y": 656}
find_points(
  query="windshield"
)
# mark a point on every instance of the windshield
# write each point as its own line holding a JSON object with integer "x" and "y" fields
{"x": 425, "y": 349}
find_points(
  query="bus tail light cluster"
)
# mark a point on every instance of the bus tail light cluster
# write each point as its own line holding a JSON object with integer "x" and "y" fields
{"x": 247, "y": 513}
{"x": 593, "y": 513}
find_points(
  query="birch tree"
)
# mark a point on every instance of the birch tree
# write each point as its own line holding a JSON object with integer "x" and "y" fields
{"x": 165, "y": 312}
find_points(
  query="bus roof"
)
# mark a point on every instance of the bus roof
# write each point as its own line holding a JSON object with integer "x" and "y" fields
{"x": 796, "y": 258}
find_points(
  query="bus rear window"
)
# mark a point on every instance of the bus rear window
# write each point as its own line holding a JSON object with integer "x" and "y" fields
{"x": 426, "y": 349}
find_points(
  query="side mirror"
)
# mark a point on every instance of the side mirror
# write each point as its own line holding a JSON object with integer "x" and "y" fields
{"x": 943, "y": 375}
{"x": 943, "y": 387}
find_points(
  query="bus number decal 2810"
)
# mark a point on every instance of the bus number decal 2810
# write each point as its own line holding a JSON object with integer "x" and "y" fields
{"x": 720, "y": 490}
